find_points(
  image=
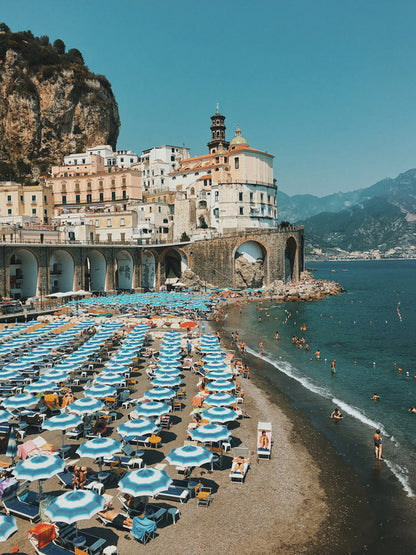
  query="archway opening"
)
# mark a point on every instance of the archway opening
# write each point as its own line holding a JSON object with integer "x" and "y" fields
{"x": 61, "y": 270}
{"x": 95, "y": 271}
{"x": 148, "y": 271}
{"x": 290, "y": 259}
{"x": 175, "y": 264}
{"x": 124, "y": 271}
{"x": 249, "y": 265}
{"x": 23, "y": 274}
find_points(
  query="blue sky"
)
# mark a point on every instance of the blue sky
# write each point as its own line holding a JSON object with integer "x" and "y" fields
{"x": 327, "y": 86}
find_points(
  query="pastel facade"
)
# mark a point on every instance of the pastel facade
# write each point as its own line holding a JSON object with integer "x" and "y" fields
{"x": 157, "y": 163}
{"x": 23, "y": 204}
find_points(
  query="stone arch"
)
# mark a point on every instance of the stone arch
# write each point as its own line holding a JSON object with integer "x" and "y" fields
{"x": 250, "y": 259}
{"x": 148, "y": 270}
{"x": 95, "y": 271}
{"x": 291, "y": 259}
{"x": 124, "y": 270}
{"x": 23, "y": 274}
{"x": 62, "y": 271}
{"x": 175, "y": 262}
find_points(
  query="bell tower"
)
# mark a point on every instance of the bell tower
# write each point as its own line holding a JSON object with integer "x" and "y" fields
{"x": 217, "y": 133}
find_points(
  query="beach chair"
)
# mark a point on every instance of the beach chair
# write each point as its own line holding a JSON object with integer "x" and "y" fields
{"x": 238, "y": 476}
{"x": 42, "y": 539}
{"x": 113, "y": 518}
{"x": 204, "y": 497}
{"x": 15, "y": 506}
{"x": 173, "y": 494}
{"x": 264, "y": 440}
{"x": 143, "y": 529}
{"x": 67, "y": 532}
{"x": 128, "y": 460}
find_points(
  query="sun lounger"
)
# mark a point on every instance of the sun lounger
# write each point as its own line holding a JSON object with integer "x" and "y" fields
{"x": 114, "y": 519}
{"x": 238, "y": 476}
{"x": 174, "y": 494}
{"x": 67, "y": 533}
{"x": 14, "y": 506}
{"x": 52, "y": 549}
{"x": 127, "y": 460}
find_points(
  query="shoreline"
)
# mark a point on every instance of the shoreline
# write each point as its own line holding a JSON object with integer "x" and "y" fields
{"x": 346, "y": 527}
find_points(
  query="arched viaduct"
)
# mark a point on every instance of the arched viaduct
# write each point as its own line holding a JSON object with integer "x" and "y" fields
{"x": 29, "y": 269}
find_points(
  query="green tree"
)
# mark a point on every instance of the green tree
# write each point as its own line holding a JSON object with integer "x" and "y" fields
{"x": 185, "y": 237}
{"x": 4, "y": 28}
{"x": 59, "y": 46}
{"x": 75, "y": 56}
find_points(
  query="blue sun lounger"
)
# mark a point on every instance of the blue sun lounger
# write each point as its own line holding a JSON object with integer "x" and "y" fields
{"x": 14, "y": 506}
{"x": 174, "y": 494}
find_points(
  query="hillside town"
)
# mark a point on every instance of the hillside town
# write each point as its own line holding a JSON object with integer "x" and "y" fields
{"x": 163, "y": 195}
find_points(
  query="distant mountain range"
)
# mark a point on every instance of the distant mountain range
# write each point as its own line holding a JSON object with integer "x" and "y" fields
{"x": 378, "y": 218}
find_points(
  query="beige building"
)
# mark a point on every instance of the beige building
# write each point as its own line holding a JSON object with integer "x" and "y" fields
{"x": 91, "y": 185}
{"x": 25, "y": 204}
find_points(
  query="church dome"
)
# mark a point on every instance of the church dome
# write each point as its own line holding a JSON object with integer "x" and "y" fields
{"x": 238, "y": 139}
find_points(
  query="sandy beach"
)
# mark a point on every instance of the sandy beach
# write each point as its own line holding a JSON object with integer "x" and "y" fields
{"x": 284, "y": 506}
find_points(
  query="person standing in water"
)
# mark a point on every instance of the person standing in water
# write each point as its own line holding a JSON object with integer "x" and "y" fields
{"x": 336, "y": 415}
{"x": 333, "y": 366}
{"x": 378, "y": 445}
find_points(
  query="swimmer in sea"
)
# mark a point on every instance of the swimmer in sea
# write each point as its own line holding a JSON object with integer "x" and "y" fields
{"x": 375, "y": 397}
{"x": 276, "y": 336}
{"x": 318, "y": 354}
{"x": 261, "y": 345}
{"x": 412, "y": 409}
{"x": 378, "y": 445}
{"x": 336, "y": 415}
{"x": 333, "y": 366}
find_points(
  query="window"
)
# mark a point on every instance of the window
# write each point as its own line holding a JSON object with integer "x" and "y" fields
{"x": 216, "y": 212}
{"x": 9, "y": 198}
{"x": 131, "y": 160}
{"x": 121, "y": 159}
{"x": 9, "y": 211}
{"x": 63, "y": 188}
{"x": 164, "y": 199}
{"x": 89, "y": 198}
{"x": 77, "y": 199}
{"x": 241, "y": 210}
{"x": 159, "y": 199}
{"x": 268, "y": 198}
{"x": 109, "y": 237}
{"x": 261, "y": 197}
{"x": 122, "y": 222}
{"x": 45, "y": 199}
{"x": 33, "y": 211}
{"x": 113, "y": 182}
{"x": 237, "y": 163}
{"x": 83, "y": 160}
{"x": 123, "y": 181}
{"x": 22, "y": 199}
{"x": 162, "y": 172}
{"x": 100, "y": 185}
{"x": 63, "y": 199}
{"x": 240, "y": 196}
{"x": 172, "y": 158}
{"x": 89, "y": 186}
{"x": 113, "y": 195}
{"x": 216, "y": 195}
{"x": 33, "y": 198}
{"x": 160, "y": 209}
{"x": 101, "y": 197}
{"x": 122, "y": 237}
{"x": 251, "y": 197}
{"x": 165, "y": 230}
{"x": 97, "y": 223}
{"x": 109, "y": 222}
{"x": 124, "y": 194}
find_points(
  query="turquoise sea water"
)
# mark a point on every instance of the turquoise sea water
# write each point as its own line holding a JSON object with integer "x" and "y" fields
{"x": 374, "y": 324}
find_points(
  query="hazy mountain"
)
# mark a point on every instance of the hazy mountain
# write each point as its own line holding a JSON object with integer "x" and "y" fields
{"x": 381, "y": 217}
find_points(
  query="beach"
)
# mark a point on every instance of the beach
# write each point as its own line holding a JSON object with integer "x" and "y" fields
{"x": 303, "y": 500}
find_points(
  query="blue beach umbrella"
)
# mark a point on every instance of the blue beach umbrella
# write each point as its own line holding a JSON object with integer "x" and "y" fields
{"x": 62, "y": 422}
{"x": 137, "y": 427}
{"x": 220, "y": 385}
{"x": 56, "y": 376}
{"x": 74, "y": 506}
{"x": 100, "y": 390}
{"x": 6, "y": 375}
{"x": 210, "y": 433}
{"x": 110, "y": 379}
{"x": 166, "y": 381}
{"x": 5, "y": 416}
{"x": 219, "y": 375}
{"x": 214, "y": 356}
{"x": 39, "y": 467}
{"x": 8, "y": 526}
{"x": 152, "y": 409}
{"x": 165, "y": 372}
{"x": 11, "y": 450}
{"x": 145, "y": 481}
{"x": 160, "y": 394}
{"x": 87, "y": 405}
{"x": 215, "y": 365}
{"x": 98, "y": 448}
{"x": 220, "y": 400}
{"x": 40, "y": 386}
{"x": 189, "y": 455}
{"x": 19, "y": 401}
{"x": 219, "y": 414}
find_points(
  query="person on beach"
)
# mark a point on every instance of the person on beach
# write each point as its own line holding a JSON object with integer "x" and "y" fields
{"x": 263, "y": 440}
{"x": 188, "y": 347}
{"x": 378, "y": 445}
{"x": 232, "y": 338}
{"x": 318, "y": 354}
{"x": 238, "y": 463}
{"x": 336, "y": 415}
{"x": 80, "y": 477}
{"x": 218, "y": 336}
{"x": 242, "y": 347}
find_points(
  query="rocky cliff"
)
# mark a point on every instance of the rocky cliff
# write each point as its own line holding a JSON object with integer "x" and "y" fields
{"x": 50, "y": 103}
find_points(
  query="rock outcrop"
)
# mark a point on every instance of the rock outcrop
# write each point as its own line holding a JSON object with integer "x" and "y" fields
{"x": 248, "y": 274}
{"x": 50, "y": 103}
{"x": 305, "y": 290}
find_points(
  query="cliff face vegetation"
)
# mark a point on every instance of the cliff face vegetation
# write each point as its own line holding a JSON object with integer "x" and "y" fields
{"x": 50, "y": 103}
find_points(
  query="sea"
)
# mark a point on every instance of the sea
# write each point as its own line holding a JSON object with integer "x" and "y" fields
{"x": 369, "y": 330}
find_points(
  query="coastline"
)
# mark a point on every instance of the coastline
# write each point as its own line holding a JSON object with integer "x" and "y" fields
{"x": 337, "y": 495}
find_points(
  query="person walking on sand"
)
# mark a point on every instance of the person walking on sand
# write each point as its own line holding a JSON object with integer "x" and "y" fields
{"x": 378, "y": 445}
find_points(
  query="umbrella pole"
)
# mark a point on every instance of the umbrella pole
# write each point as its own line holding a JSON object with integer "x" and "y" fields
{"x": 100, "y": 463}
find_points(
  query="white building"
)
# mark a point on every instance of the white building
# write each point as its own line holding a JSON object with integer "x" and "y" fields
{"x": 157, "y": 163}
{"x": 122, "y": 159}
